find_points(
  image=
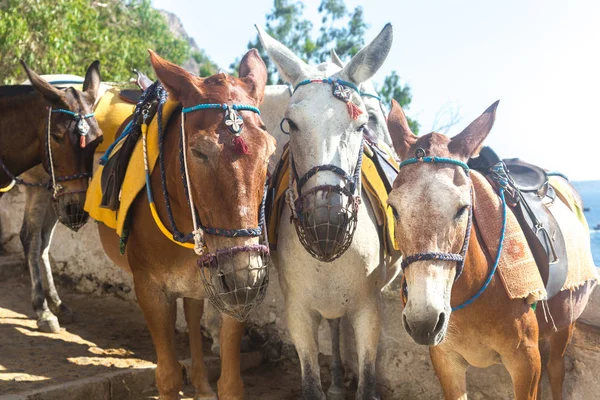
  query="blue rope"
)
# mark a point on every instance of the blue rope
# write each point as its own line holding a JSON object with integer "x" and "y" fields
{"x": 73, "y": 114}
{"x": 557, "y": 174}
{"x": 435, "y": 160}
{"x": 495, "y": 267}
{"x": 370, "y": 95}
{"x": 126, "y": 131}
{"x": 214, "y": 106}
{"x": 329, "y": 81}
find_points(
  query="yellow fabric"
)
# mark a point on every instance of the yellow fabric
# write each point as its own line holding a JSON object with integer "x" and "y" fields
{"x": 134, "y": 181}
{"x": 110, "y": 113}
{"x": 565, "y": 192}
{"x": 371, "y": 182}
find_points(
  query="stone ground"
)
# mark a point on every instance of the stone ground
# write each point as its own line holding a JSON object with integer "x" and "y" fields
{"x": 109, "y": 334}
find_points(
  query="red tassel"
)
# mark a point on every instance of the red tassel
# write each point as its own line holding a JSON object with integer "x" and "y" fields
{"x": 240, "y": 145}
{"x": 353, "y": 110}
{"x": 82, "y": 142}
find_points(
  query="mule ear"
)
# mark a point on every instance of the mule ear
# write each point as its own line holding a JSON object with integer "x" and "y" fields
{"x": 336, "y": 59}
{"x": 402, "y": 136}
{"x": 291, "y": 68}
{"x": 253, "y": 70}
{"x": 91, "y": 83}
{"x": 369, "y": 59}
{"x": 174, "y": 78}
{"x": 468, "y": 143}
{"x": 41, "y": 85}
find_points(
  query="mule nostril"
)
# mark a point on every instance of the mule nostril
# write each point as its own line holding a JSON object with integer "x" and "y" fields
{"x": 440, "y": 323}
{"x": 406, "y": 326}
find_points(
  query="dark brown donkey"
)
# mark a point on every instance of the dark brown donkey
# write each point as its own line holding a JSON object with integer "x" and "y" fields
{"x": 40, "y": 124}
{"x": 432, "y": 201}
{"x": 227, "y": 191}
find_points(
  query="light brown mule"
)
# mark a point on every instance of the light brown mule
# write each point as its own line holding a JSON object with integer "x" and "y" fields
{"x": 431, "y": 202}
{"x": 227, "y": 189}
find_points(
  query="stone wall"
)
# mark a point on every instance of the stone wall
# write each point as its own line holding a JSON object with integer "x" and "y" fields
{"x": 405, "y": 371}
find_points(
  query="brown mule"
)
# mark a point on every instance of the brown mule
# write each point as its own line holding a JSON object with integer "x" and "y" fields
{"x": 227, "y": 189}
{"x": 26, "y": 129}
{"x": 432, "y": 201}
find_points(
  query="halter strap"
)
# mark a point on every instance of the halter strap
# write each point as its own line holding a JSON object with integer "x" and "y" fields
{"x": 214, "y": 106}
{"x": 75, "y": 115}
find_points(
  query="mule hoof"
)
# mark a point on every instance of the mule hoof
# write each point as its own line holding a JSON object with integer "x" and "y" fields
{"x": 336, "y": 393}
{"x": 49, "y": 325}
{"x": 65, "y": 315}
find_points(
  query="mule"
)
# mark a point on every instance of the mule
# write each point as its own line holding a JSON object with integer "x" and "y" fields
{"x": 226, "y": 188}
{"x": 56, "y": 129}
{"x": 433, "y": 203}
{"x": 345, "y": 281}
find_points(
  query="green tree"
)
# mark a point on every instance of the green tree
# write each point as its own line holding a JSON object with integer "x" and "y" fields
{"x": 64, "y": 36}
{"x": 341, "y": 29}
{"x": 207, "y": 66}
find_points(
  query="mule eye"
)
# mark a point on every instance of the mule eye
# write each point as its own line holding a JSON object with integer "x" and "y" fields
{"x": 198, "y": 154}
{"x": 461, "y": 212}
{"x": 395, "y": 212}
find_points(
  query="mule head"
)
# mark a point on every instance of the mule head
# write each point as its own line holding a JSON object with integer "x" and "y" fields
{"x": 68, "y": 141}
{"x": 431, "y": 202}
{"x": 227, "y": 185}
{"x": 325, "y": 133}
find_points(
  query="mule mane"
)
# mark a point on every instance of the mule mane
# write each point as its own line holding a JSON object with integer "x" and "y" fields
{"x": 434, "y": 144}
{"x": 15, "y": 90}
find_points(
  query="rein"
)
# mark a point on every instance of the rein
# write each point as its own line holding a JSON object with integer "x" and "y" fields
{"x": 500, "y": 176}
{"x": 83, "y": 128}
{"x": 234, "y": 123}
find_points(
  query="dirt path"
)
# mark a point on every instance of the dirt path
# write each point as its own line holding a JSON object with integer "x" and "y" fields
{"x": 109, "y": 334}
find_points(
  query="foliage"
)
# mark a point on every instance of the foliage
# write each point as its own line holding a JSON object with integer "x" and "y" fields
{"x": 340, "y": 29}
{"x": 65, "y": 36}
{"x": 207, "y": 66}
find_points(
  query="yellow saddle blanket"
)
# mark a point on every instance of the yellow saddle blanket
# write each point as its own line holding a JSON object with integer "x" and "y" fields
{"x": 135, "y": 177}
{"x": 110, "y": 112}
{"x": 372, "y": 182}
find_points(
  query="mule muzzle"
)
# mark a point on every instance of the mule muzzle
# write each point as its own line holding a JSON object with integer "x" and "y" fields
{"x": 68, "y": 207}
{"x": 326, "y": 222}
{"x": 428, "y": 330}
{"x": 236, "y": 278}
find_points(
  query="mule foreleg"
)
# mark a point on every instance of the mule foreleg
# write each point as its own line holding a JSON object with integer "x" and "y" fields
{"x": 31, "y": 239}
{"x": 160, "y": 312}
{"x": 64, "y": 314}
{"x": 193, "y": 309}
{"x": 451, "y": 370}
{"x": 336, "y": 391}
{"x": 524, "y": 365}
{"x": 303, "y": 325}
{"x": 367, "y": 325}
{"x": 230, "y": 385}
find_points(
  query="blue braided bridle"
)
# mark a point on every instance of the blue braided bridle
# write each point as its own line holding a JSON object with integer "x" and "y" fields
{"x": 500, "y": 177}
{"x": 51, "y": 181}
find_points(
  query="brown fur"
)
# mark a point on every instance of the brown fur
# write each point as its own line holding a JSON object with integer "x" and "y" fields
{"x": 222, "y": 182}
{"x": 494, "y": 328}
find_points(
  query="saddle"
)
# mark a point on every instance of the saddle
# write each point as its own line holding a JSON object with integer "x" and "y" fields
{"x": 387, "y": 171}
{"x": 530, "y": 195}
{"x": 133, "y": 95}
{"x": 117, "y": 156}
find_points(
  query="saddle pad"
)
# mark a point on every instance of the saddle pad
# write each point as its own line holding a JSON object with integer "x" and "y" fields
{"x": 134, "y": 181}
{"x": 111, "y": 111}
{"x": 517, "y": 268}
{"x": 576, "y": 233}
{"x": 372, "y": 182}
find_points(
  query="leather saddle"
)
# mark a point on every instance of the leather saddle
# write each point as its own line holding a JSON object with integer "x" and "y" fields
{"x": 115, "y": 168}
{"x": 387, "y": 171}
{"x": 531, "y": 196}
{"x": 133, "y": 95}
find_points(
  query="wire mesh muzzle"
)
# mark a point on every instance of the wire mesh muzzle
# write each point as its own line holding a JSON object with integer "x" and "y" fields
{"x": 326, "y": 239}
{"x": 68, "y": 207}
{"x": 236, "y": 278}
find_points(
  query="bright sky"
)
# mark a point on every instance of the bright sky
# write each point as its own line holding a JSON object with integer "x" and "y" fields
{"x": 541, "y": 58}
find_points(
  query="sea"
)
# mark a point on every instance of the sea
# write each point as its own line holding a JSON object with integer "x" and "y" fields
{"x": 590, "y": 193}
